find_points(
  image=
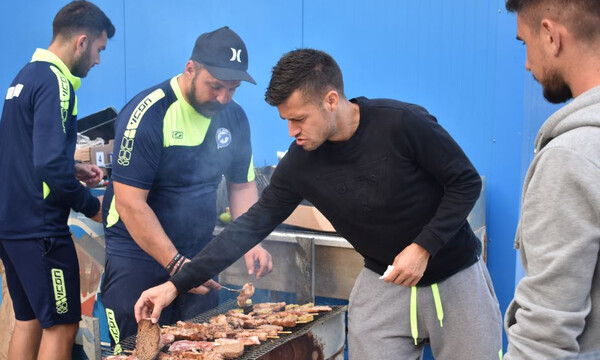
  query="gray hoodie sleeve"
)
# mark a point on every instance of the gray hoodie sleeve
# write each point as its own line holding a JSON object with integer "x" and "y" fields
{"x": 559, "y": 242}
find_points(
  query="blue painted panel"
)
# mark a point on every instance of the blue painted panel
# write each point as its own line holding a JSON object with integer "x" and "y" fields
{"x": 505, "y": 106}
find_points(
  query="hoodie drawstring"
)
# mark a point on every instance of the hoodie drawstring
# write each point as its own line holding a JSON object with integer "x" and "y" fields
{"x": 414, "y": 329}
{"x": 437, "y": 300}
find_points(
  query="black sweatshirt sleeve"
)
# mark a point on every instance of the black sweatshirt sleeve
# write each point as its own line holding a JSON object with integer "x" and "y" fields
{"x": 276, "y": 203}
{"x": 436, "y": 152}
{"x": 51, "y": 161}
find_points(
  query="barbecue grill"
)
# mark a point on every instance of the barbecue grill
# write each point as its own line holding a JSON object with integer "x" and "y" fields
{"x": 322, "y": 338}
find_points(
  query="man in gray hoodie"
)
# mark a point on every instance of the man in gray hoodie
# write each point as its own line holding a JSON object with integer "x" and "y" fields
{"x": 556, "y": 308}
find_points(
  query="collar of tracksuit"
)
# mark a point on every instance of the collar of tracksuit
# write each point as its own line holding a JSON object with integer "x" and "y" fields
{"x": 49, "y": 56}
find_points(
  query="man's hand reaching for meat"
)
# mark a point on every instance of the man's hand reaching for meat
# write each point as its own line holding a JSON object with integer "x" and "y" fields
{"x": 154, "y": 300}
{"x": 259, "y": 261}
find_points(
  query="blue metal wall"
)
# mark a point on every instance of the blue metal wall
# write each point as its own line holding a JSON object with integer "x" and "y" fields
{"x": 457, "y": 58}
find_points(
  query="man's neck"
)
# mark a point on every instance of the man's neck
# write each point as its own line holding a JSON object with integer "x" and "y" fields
{"x": 583, "y": 73}
{"x": 61, "y": 49}
{"x": 348, "y": 119}
{"x": 183, "y": 86}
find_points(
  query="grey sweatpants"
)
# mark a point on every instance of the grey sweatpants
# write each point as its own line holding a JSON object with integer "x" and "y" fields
{"x": 379, "y": 325}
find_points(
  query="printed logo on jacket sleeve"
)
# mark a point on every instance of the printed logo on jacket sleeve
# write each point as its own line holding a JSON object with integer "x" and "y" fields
{"x": 64, "y": 95}
{"x": 134, "y": 121}
{"x": 14, "y": 91}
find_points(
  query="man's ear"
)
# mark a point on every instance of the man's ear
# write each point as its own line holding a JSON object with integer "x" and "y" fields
{"x": 551, "y": 36}
{"x": 82, "y": 42}
{"x": 190, "y": 69}
{"x": 331, "y": 100}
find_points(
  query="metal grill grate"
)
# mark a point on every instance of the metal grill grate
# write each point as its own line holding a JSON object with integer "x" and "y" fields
{"x": 252, "y": 352}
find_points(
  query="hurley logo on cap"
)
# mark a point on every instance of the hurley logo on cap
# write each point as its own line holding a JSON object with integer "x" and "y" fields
{"x": 236, "y": 55}
{"x": 223, "y": 54}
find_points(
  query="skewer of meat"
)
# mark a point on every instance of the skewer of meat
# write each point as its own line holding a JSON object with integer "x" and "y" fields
{"x": 225, "y": 348}
{"x": 273, "y": 306}
{"x": 309, "y": 307}
{"x": 190, "y": 355}
{"x": 186, "y": 345}
{"x": 205, "y": 332}
{"x": 225, "y": 320}
{"x": 287, "y": 318}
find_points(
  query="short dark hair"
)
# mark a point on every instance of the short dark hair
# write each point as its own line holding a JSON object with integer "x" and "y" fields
{"x": 84, "y": 16}
{"x": 314, "y": 72}
{"x": 581, "y": 17}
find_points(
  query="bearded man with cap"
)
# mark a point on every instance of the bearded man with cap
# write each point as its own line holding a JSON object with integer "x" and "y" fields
{"x": 173, "y": 143}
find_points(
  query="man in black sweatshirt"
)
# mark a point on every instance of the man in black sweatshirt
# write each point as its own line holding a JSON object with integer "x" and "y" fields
{"x": 393, "y": 183}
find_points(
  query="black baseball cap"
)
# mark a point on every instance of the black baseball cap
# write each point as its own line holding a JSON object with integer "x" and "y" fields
{"x": 223, "y": 54}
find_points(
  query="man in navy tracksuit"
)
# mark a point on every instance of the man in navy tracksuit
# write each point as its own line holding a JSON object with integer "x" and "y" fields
{"x": 40, "y": 184}
{"x": 173, "y": 144}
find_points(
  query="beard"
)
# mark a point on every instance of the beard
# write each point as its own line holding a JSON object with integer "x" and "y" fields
{"x": 208, "y": 108}
{"x": 329, "y": 130}
{"x": 556, "y": 90}
{"x": 82, "y": 65}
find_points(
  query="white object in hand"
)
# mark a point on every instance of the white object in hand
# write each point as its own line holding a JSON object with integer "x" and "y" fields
{"x": 387, "y": 271}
